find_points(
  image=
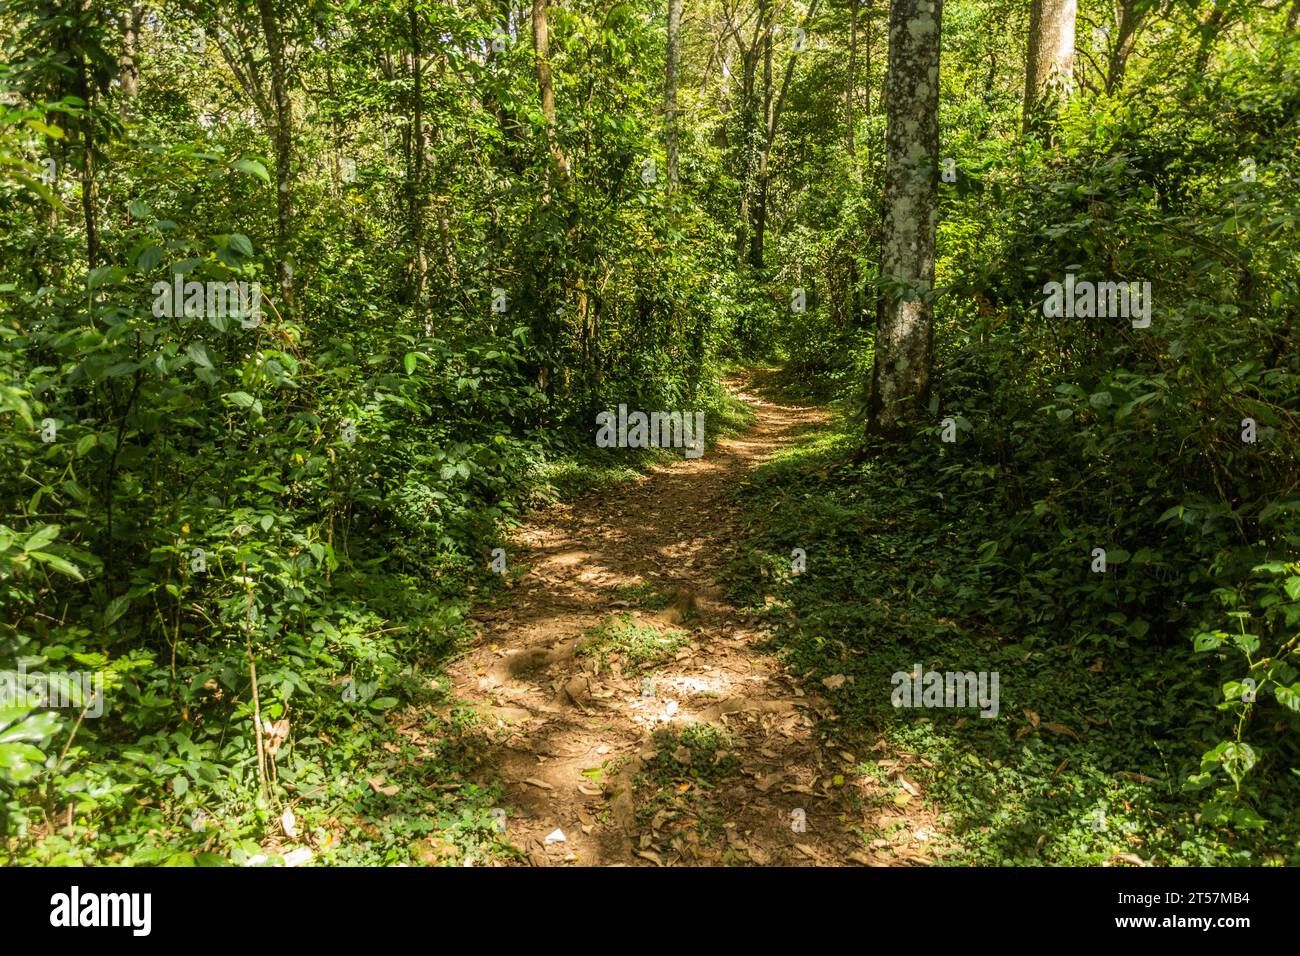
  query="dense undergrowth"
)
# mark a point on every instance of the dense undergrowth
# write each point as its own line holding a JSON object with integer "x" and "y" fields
{"x": 1157, "y": 691}
{"x": 262, "y": 531}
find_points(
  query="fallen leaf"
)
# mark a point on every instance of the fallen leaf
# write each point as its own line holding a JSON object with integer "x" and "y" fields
{"x": 541, "y": 784}
{"x": 378, "y": 785}
{"x": 1062, "y": 730}
{"x": 1136, "y": 777}
{"x": 297, "y": 856}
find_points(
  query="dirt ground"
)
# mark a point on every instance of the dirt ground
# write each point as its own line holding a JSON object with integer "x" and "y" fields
{"x": 576, "y": 747}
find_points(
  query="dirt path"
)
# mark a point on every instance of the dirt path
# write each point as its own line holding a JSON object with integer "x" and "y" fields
{"x": 589, "y": 744}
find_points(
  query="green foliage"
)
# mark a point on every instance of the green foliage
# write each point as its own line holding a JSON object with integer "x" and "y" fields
{"x": 634, "y": 645}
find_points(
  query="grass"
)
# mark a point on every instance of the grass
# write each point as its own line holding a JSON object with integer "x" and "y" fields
{"x": 636, "y": 646}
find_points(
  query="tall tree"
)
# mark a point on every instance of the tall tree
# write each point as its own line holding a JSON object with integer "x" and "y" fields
{"x": 900, "y": 376}
{"x": 282, "y": 138}
{"x": 1050, "y": 63}
{"x": 415, "y": 179}
{"x": 1129, "y": 15}
{"x": 773, "y": 103}
{"x": 546, "y": 90}
{"x": 129, "y": 78}
{"x": 853, "y": 76}
{"x": 672, "y": 60}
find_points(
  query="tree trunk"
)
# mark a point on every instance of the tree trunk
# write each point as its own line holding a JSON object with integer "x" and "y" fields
{"x": 758, "y": 229}
{"x": 129, "y": 75}
{"x": 900, "y": 378}
{"x": 89, "y": 182}
{"x": 853, "y": 75}
{"x": 1050, "y": 63}
{"x": 772, "y": 106}
{"x": 546, "y": 89}
{"x": 416, "y": 204}
{"x": 283, "y": 136}
{"x": 671, "y": 62}
{"x": 1130, "y": 17}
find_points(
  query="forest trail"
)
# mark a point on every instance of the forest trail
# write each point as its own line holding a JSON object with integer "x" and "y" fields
{"x": 574, "y": 735}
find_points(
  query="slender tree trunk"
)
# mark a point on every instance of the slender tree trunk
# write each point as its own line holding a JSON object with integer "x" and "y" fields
{"x": 772, "y": 106}
{"x": 129, "y": 75}
{"x": 900, "y": 378}
{"x": 1210, "y": 29}
{"x": 1129, "y": 19}
{"x": 546, "y": 89}
{"x": 671, "y": 62}
{"x": 1050, "y": 62}
{"x": 420, "y": 271}
{"x": 89, "y": 182}
{"x": 853, "y": 75}
{"x": 758, "y": 231}
{"x": 748, "y": 142}
{"x": 866, "y": 59}
{"x": 283, "y": 136}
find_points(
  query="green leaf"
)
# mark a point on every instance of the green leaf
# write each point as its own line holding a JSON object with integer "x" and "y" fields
{"x": 104, "y": 275}
{"x": 116, "y": 608}
{"x": 58, "y": 564}
{"x": 1207, "y": 641}
{"x": 253, "y": 168}
{"x": 1288, "y": 696}
{"x": 41, "y": 537}
{"x": 22, "y": 724}
{"x": 148, "y": 258}
{"x": 197, "y": 352}
{"x": 19, "y": 763}
{"x": 1237, "y": 759}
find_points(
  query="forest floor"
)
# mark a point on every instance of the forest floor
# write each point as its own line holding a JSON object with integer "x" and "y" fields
{"x": 636, "y": 712}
